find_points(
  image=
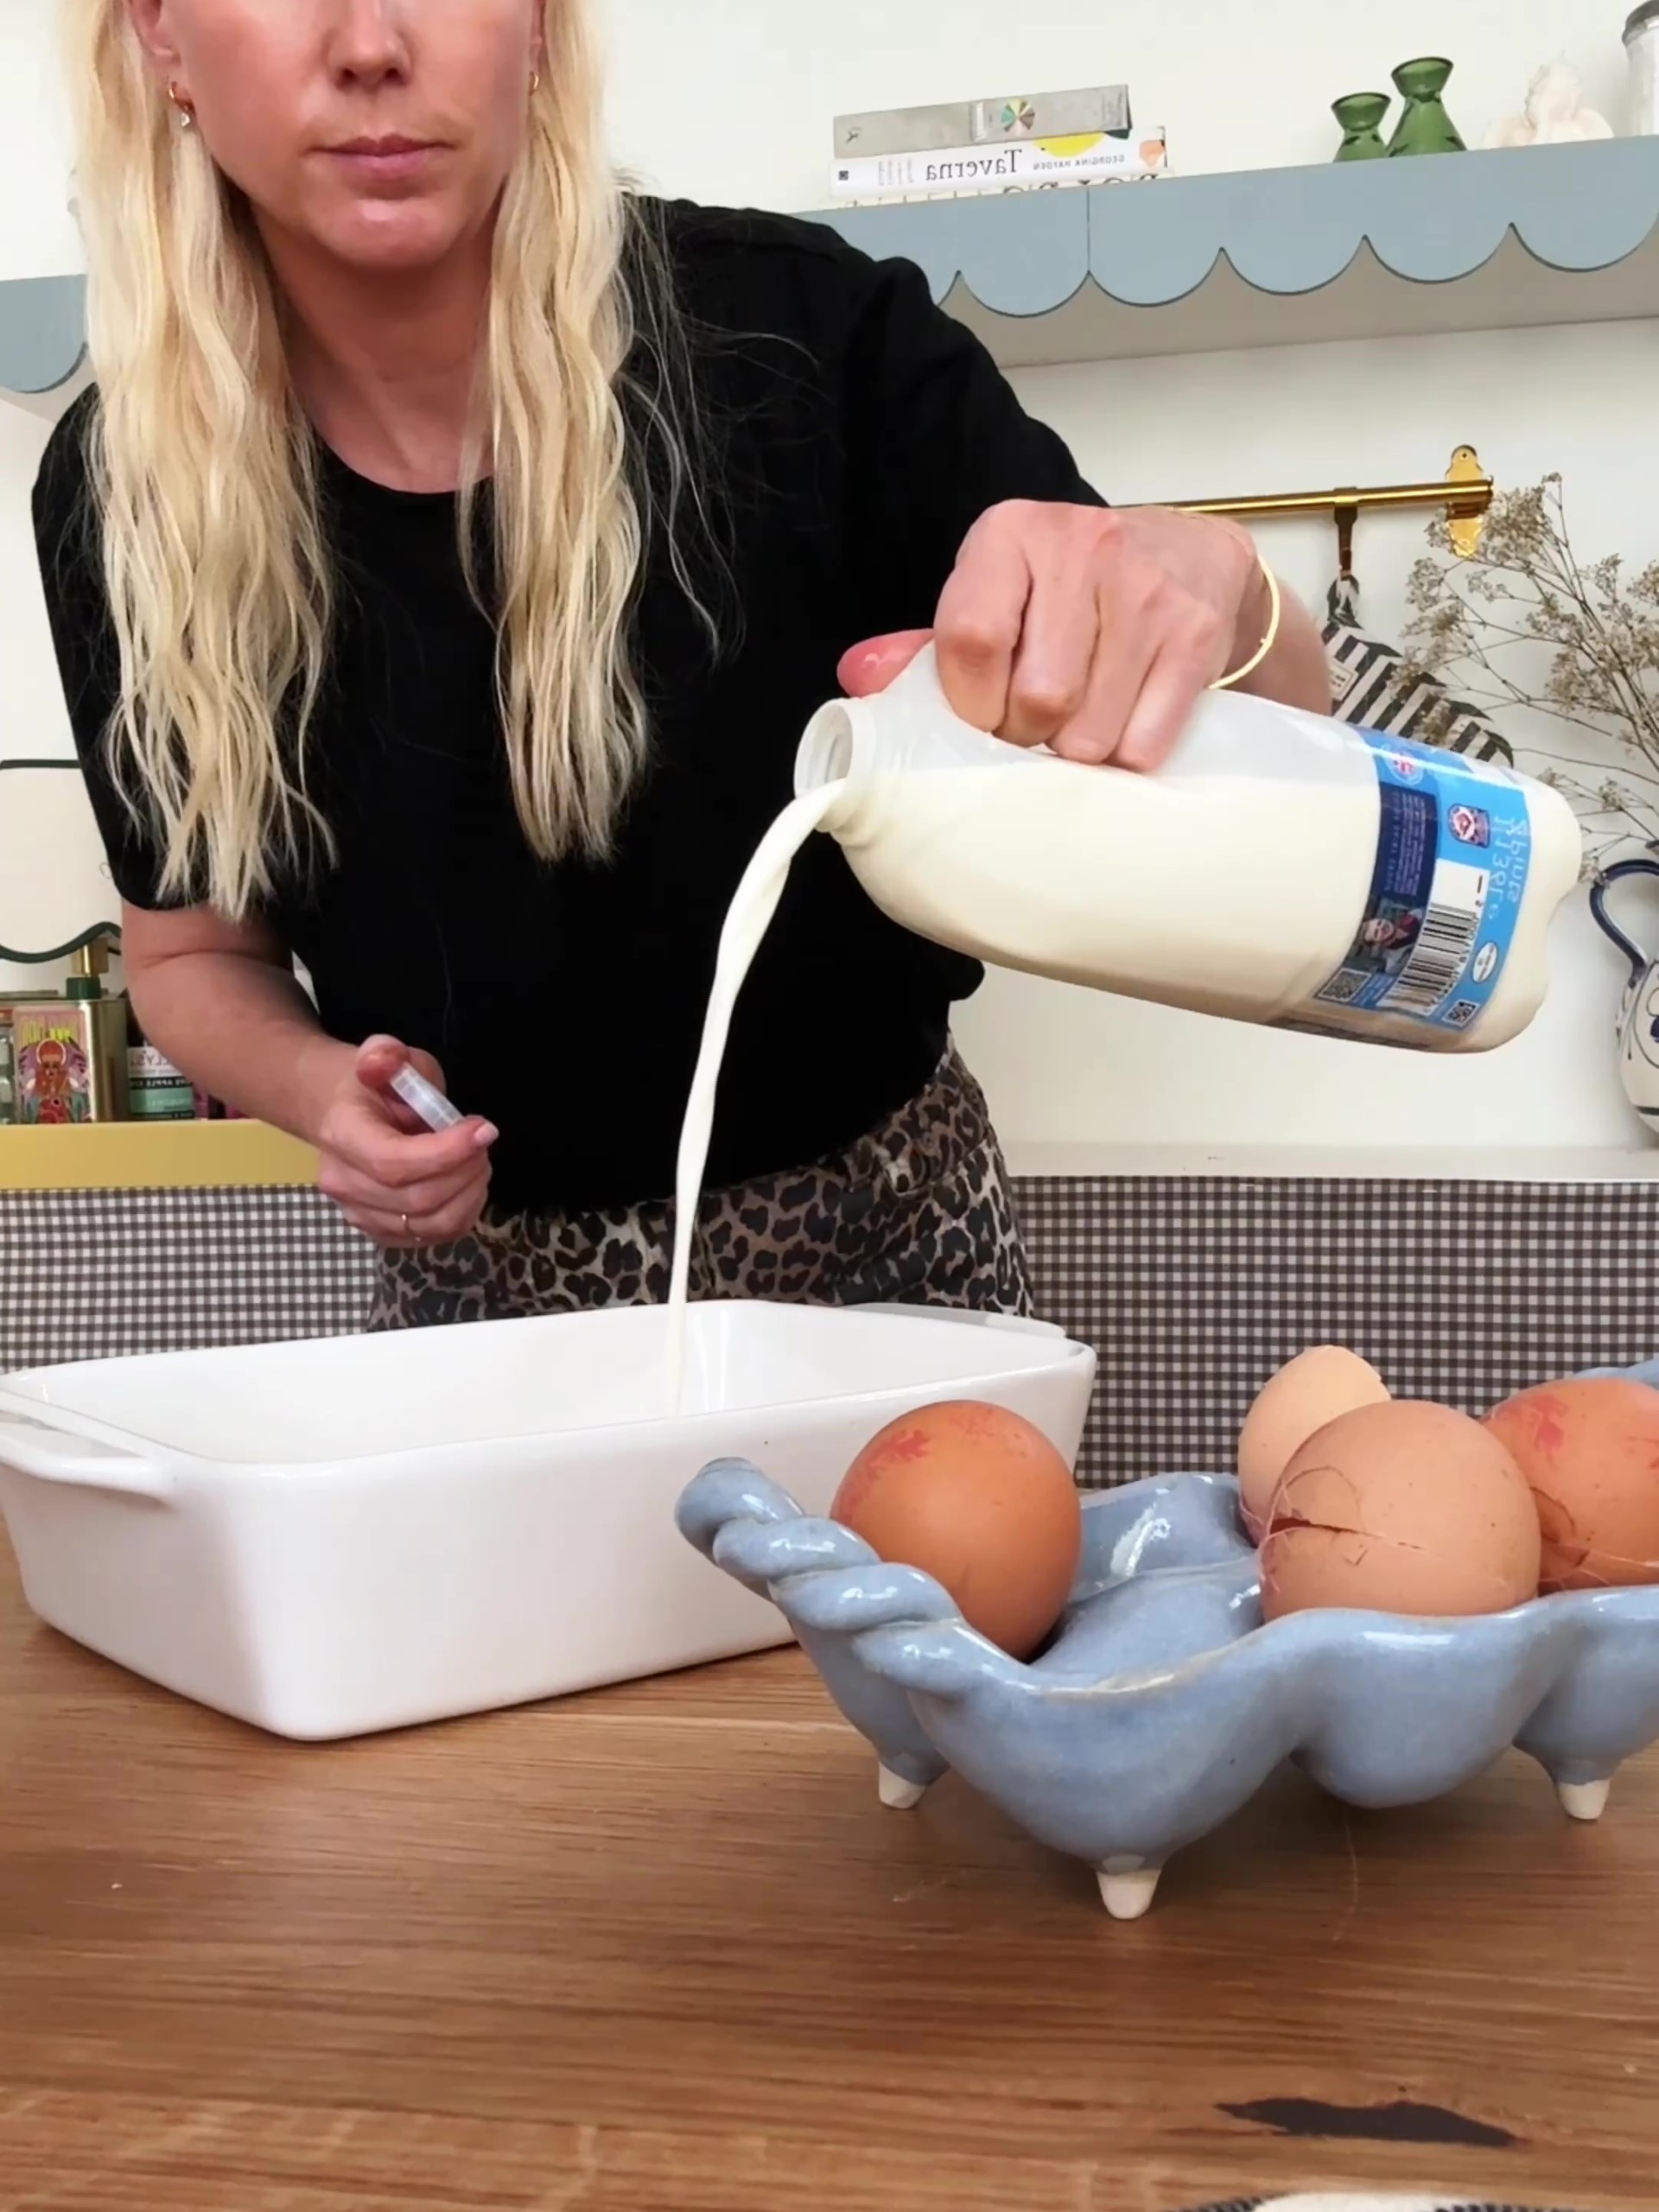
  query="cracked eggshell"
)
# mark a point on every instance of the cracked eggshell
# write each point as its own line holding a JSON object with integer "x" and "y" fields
{"x": 1404, "y": 1508}
{"x": 1312, "y": 1389}
{"x": 1590, "y": 1449}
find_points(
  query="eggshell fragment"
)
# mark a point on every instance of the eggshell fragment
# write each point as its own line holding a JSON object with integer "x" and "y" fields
{"x": 979, "y": 1498}
{"x": 1312, "y": 1390}
{"x": 1590, "y": 1449}
{"x": 1404, "y": 1508}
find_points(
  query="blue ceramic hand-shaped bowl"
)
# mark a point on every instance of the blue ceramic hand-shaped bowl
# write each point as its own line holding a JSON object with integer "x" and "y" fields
{"x": 1163, "y": 1702}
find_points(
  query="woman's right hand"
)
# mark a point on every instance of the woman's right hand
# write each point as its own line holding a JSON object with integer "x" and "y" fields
{"x": 396, "y": 1181}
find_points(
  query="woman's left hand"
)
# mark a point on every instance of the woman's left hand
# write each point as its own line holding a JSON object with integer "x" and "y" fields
{"x": 1095, "y": 630}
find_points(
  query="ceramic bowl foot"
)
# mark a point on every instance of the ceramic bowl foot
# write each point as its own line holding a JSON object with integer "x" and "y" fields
{"x": 1126, "y": 1891}
{"x": 1583, "y": 1801}
{"x": 897, "y": 1794}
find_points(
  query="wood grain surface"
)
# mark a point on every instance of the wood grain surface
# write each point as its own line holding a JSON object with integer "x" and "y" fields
{"x": 660, "y": 1950}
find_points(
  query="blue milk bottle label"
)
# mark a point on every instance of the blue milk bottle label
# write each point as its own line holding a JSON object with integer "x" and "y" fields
{"x": 1454, "y": 844}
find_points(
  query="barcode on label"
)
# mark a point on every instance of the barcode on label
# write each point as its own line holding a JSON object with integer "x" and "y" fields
{"x": 1441, "y": 952}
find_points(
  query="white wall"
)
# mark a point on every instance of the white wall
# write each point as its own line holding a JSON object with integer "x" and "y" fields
{"x": 741, "y": 113}
{"x": 744, "y": 115}
{"x": 37, "y": 232}
{"x": 37, "y": 238}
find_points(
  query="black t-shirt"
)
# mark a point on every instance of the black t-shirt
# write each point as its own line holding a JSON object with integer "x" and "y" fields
{"x": 858, "y": 433}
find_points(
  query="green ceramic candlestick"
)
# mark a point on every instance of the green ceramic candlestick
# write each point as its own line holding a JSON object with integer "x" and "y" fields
{"x": 1360, "y": 114}
{"x": 1424, "y": 128}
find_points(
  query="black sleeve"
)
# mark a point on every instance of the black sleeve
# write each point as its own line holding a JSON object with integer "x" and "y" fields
{"x": 77, "y": 606}
{"x": 935, "y": 436}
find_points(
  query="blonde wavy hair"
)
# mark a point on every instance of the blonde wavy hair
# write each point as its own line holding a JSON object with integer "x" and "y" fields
{"x": 203, "y": 474}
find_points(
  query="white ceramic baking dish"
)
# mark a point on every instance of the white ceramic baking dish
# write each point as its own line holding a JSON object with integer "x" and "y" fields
{"x": 334, "y": 1537}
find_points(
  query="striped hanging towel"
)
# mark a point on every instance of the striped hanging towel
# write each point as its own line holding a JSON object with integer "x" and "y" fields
{"x": 1374, "y": 685}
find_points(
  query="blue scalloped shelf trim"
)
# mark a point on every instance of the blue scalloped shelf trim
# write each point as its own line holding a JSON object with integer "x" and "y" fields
{"x": 1022, "y": 255}
{"x": 43, "y": 332}
{"x": 1286, "y": 233}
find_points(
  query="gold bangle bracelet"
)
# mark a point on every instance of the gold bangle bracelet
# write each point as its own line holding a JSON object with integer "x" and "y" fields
{"x": 1276, "y": 607}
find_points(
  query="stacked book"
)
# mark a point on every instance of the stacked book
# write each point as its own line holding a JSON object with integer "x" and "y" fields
{"x": 1024, "y": 143}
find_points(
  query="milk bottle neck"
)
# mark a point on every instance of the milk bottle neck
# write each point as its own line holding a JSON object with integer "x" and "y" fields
{"x": 909, "y": 727}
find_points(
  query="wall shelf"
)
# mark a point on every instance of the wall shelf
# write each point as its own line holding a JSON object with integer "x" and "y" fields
{"x": 1291, "y": 256}
{"x": 154, "y": 1156}
{"x": 1491, "y": 241}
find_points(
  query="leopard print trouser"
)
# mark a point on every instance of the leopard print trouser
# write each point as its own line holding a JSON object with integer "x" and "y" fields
{"x": 919, "y": 1212}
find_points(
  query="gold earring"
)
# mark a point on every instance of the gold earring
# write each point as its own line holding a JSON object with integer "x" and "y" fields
{"x": 186, "y": 112}
{"x": 535, "y": 82}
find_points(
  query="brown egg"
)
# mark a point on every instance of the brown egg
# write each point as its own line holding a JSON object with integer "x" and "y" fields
{"x": 1403, "y": 1508}
{"x": 1299, "y": 1400}
{"x": 1590, "y": 1448}
{"x": 978, "y": 1498}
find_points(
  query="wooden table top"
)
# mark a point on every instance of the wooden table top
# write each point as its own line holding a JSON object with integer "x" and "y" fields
{"x": 660, "y": 1950}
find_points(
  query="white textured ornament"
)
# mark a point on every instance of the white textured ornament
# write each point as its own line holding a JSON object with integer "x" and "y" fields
{"x": 1556, "y": 113}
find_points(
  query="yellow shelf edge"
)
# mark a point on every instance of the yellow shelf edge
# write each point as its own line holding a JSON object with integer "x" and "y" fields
{"x": 156, "y": 1156}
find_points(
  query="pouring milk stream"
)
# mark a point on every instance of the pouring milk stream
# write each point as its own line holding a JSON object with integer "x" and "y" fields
{"x": 1279, "y": 868}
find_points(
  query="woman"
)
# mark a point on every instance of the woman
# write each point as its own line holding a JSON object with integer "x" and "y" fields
{"x": 443, "y": 574}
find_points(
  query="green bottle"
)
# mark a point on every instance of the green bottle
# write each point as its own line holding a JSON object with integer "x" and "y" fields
{"x": 1360, "y": 114}
{"x": 1424, "y": 128}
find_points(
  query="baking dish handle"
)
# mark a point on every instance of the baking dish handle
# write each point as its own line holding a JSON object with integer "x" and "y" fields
{"x": 79, "y": 1462}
